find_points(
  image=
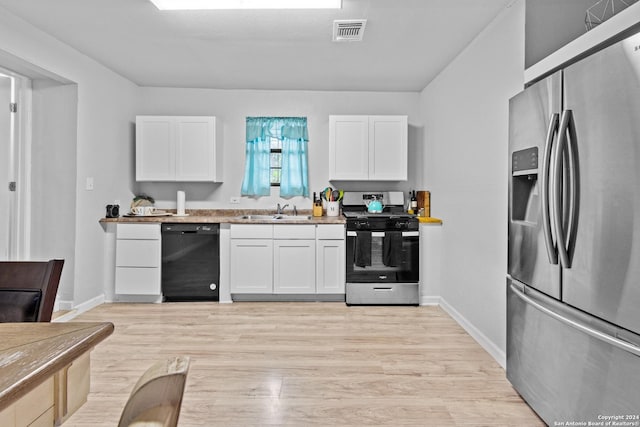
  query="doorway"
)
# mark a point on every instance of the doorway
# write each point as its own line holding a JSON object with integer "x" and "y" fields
{"x": 15, "y": 93}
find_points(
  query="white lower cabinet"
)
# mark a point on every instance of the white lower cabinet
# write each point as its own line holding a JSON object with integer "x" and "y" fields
{"x": 251, "y": 259}
{"x": 138, "y": 259}
{"x": 330, "y": 259}
{"x": 287, "y": 259}
{"x": 294, "y": 256}
{"x": 251, "y": 266}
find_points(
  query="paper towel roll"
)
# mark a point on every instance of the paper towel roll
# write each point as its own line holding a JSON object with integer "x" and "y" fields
{"x": 181, "y": 202}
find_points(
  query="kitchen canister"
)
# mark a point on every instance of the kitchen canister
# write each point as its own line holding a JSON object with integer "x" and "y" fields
{"x": 333, "y": 208}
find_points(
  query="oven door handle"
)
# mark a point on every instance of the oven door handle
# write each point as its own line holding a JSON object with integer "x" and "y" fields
{"x": 381, "y": 234}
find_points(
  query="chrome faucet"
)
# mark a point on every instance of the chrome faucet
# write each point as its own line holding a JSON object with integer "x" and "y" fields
{"x": 279, "y": 210}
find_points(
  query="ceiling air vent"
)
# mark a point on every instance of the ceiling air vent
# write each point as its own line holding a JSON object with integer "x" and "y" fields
{"x": 350, "y": 30}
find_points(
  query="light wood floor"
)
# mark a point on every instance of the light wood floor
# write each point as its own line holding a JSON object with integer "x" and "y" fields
{"x": 303, "y": 364}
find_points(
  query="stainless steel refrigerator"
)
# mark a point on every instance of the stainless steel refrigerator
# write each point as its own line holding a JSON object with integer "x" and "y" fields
{"x": 573, "y": 284}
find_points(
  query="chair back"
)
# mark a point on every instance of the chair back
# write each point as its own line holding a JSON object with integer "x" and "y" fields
{"x": 28, "y": 290}
{"x": 157, "y": 396}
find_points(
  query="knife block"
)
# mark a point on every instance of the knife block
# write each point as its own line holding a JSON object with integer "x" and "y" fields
{"x": 424, "y": 201}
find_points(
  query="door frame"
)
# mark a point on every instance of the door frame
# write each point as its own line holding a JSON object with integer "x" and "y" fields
{"x": 20, "y": 167}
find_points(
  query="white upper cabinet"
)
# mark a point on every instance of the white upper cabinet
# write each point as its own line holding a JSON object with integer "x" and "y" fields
{"x": 178, "y": 148}
{"x": 388, "y": 145}
{"x": 349, "y": 147}
{"x": 365, "y": 148}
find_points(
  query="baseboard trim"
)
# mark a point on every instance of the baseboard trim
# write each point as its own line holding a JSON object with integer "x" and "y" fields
{"x": 475, "y": 333}
{"x": 430, "y": 300}
{"x": 288, "y": 297}
{"x": 63, "y": 305}
{"x": 80, "y": 308}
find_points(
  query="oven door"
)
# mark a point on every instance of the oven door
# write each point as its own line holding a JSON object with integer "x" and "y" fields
{"x": 383, "y": 257}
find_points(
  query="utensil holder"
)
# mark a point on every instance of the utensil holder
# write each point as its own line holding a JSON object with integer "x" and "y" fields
{"x": 333, "y": 208}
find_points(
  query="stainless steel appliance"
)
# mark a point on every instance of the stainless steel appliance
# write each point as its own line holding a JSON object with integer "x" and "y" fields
{"x": 573, "y": 284}
{"x": 382, "y": 249}
{"x": 190, "y": 262}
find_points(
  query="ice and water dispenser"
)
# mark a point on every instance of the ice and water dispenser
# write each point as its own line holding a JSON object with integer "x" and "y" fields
{"x": 524, "y": 185}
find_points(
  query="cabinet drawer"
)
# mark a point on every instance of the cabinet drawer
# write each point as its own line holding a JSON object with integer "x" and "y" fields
{"x": 251, "y": 231}
{"x": 301, "y": 231}
{"x": 330, "y": 232}
{"x": 37, "y": 402}
{"x": 137, "y": 281}
{"x": 138, "y": 231}
{"x": 138, "y": 253}
{"x": 45, "y": 420}
{"x": 382, "y": 293}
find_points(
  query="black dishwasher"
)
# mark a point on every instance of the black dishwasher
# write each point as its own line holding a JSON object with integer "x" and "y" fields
{"x": 190, "y": 262}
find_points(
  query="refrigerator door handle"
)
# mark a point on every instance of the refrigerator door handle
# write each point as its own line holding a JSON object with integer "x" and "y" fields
{"x": 546, "y": 169}
{"x": 561, "y": 237}
{"x": 575, "y": 323}
{"x": 574, "y": 187}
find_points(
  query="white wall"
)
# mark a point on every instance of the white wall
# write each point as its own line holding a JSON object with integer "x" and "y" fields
{"x": 106, "y": 105}
{"x": 231, "y": 107}
{"x": 53, "y": 170}
{"x": 465, "y": 111}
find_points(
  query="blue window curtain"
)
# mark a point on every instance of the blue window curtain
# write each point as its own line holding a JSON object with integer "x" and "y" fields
{"x": 292, "y": 131}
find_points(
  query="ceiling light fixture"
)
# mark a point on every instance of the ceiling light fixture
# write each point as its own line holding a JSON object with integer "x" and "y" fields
{"x": 246, "y": 4}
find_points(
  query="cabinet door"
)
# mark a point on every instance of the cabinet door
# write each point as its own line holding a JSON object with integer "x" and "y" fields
{"x": 388, "y": 148}
{"x": 155, "y": 148}
{"x": 349, "y": 147}
{"x": 294, "y": 267}
{"x": 251, "y": 269}
{"x": 195, "y": 154}
{"x": 330, "y": 266}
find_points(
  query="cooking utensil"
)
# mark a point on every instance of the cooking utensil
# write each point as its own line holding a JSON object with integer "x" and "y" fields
{"x": 335, "y": 194}
{"x": 326, "y": 194}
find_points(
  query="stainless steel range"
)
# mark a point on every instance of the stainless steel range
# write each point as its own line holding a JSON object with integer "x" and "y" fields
{"x": 382, "y": 249}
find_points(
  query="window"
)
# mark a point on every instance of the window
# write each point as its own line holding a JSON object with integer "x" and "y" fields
{"x": 276, "y": 156}
{"x": 275, "y": 160}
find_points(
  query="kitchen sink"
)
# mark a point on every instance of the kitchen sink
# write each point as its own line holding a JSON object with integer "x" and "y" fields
{"x": 294, "y": 217}
{"x": 276, "y": 217}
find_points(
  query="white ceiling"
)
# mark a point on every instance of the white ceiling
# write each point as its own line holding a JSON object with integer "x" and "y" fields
{"x": 406, "y": 42}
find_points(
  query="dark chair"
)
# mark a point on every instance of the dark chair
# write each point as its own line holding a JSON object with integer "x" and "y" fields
{"x": 28, "y": 290}
{"x": 157, "y": 396}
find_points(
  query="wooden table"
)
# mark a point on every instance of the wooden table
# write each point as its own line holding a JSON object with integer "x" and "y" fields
{"x": 37, "y": 363}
